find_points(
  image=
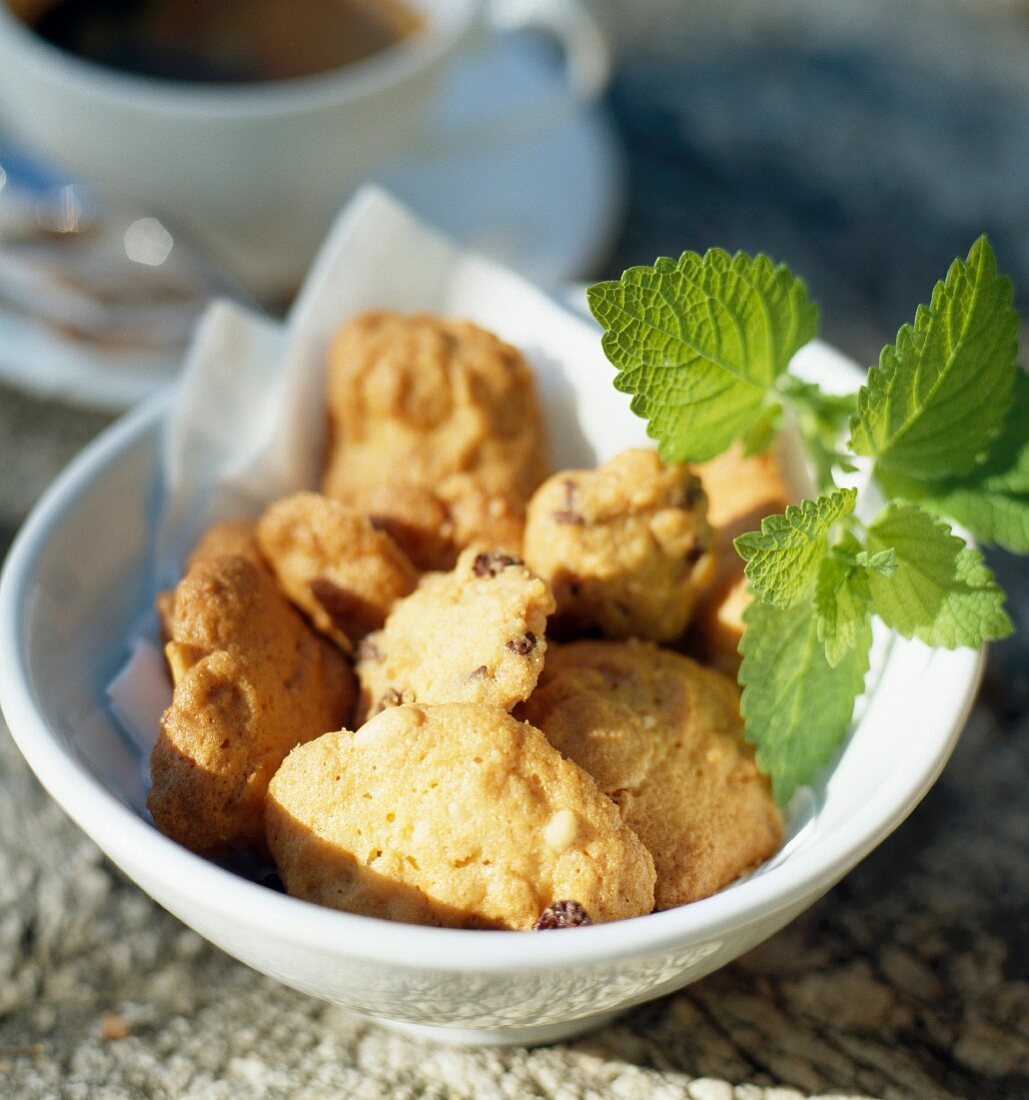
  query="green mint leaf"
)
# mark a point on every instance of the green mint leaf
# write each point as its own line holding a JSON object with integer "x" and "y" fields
{"x": 700, "y": 341}
{"x": 843, "y": 605}
{"x": 992, "y": 501}
{"x": 783, "y": 557}
{"x": 941, "y": 592}
{"x": 797, "y": 707}
{"x": 939, "y": 395}
{"x": 761, "y": 434}
{"x": 883, "y": 562}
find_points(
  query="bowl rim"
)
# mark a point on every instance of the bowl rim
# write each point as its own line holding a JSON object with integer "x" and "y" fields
{"x": 130, "y": 841}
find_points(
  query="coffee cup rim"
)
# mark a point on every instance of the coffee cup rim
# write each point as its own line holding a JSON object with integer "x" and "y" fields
{"x": 357, "y": 79}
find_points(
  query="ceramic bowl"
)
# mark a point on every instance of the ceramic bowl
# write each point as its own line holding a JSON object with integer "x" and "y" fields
{"x": 77, "y": 580}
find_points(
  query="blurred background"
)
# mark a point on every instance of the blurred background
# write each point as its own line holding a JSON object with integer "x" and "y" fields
{"x": 866, "y": 145}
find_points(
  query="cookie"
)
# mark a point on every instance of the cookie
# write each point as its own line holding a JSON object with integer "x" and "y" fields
{"x": 473, "y": 635}
{"x": 453, "y": 815}
{"x": 662, "y": 737}
{"x": 252, "y": 680}
{"x": 435, "y": 431}
{"x": 334, "y": 565}
{"x": 234, "y": 537}
{"x": 626, "y": 547}
{"x": 741, "y": 492}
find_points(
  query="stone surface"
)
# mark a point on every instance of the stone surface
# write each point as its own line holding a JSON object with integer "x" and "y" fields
{"x": 866, "y": 144}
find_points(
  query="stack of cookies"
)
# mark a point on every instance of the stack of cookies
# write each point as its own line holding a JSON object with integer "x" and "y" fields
{"x": 532, "y": 746}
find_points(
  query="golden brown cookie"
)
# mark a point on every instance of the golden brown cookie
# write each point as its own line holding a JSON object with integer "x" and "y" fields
{"x": 626, "y": 547}
{"x": 741, "y": 492}
{"x": 334, "y": 565}
{"x": 252, "y": 680}
{"x": 662, "y": 736}
{"x": 435, "y": 432}
{"x": 473, "y": 635}
{"x": 452, "y": 815}
{"x": 235, "y": 537}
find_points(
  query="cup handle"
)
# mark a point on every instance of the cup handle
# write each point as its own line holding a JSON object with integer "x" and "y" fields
{"x": 587, "y": 72}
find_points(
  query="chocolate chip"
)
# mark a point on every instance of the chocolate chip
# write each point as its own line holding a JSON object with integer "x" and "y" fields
{"x": 569, "y": 513}
{"x": 562, "y": 914}
{"x": 479, "y": 673}
{"x": 523, "y": 645}
{"x": 489, "y": 565}
{"x": 696, "y": 552}
{"x": 273, "y": 882}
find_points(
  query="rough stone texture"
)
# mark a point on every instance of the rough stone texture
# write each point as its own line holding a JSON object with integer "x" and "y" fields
{"x": 869, "y": 143}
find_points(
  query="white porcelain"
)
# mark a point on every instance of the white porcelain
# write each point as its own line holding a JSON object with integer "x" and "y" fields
{"x": 556, "y": 225}
{"x": 76, "y": 581}
{"x": 256, "y": 172}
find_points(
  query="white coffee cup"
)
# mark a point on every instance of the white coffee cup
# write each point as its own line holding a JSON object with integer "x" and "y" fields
{"x": 256, "y": 172}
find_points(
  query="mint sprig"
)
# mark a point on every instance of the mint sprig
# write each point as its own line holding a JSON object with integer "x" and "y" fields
{"x": 941, "y": 590}
{"x": 938, "y": 397}
{"x": 794, "y": 701}
{"x": 703, "y": 344}
{"x": 992, "y": 501}
{"x": 843, "y": 601}
{"x": 783, "y": 557}
{"x": 699, "y": 343}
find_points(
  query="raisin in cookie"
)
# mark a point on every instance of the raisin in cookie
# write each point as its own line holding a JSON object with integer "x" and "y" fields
{"x": 435, "y": 431}
{"x": 474, "y": 635}
{"x": 626, "y": 547}
{"x": 452, "y": 815}
{"x": 252, "y": 680}
{"x": 334, "y": 565}
{"x": 662, "y": 737}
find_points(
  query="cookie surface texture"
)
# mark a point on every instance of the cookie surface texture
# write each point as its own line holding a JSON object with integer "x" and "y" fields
{"x": 234, "y": 537}
{"x": 473, "y": 635}
{"x": 252, "y": 680}
{"x": 453, "y": 815}
{"x": 626, "y": 547}
{"x": 435, "y": 431}
{"x": 662, "y": 737}
{"x": 334, "y": 565}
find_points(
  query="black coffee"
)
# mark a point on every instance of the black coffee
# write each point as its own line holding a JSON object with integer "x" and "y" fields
{"x": 225, "y": 41}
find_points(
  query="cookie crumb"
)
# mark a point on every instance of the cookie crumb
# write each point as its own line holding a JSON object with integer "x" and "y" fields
{"x": 562, "y": 914}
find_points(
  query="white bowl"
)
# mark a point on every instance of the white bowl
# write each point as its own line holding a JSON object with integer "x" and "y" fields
{"x": 76, "y": 581}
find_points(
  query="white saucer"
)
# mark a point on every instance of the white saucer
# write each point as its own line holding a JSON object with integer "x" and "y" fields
{"x": 546, "y": 204}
